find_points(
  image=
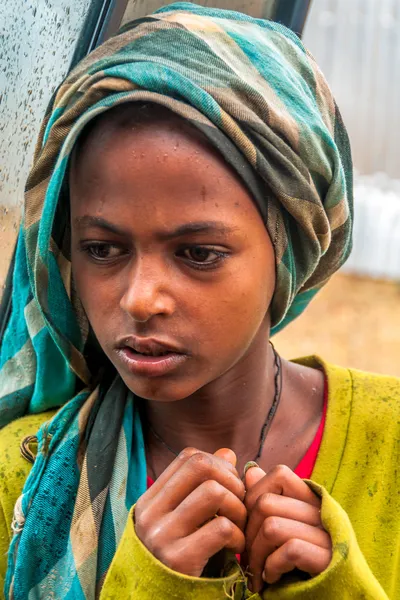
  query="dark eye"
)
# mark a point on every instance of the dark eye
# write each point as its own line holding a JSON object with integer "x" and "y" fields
{"x": 202, "y": 256}
{"x": 102, "y": 251}
{"x": 199, "y": 254}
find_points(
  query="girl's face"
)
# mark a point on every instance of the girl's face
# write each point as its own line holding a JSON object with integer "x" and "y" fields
{"x": 169, "y": 253}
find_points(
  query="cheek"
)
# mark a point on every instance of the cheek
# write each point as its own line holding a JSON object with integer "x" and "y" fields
{"x": 99, "y": 299}
{"x": 232, "y": 317}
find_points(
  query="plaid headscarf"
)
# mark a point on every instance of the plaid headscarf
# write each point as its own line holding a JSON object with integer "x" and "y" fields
{"x": 251, "y": 87}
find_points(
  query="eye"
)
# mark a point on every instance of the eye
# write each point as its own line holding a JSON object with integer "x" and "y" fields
{"x": 199, "y": 254}
{"x": 202, "y": 256}
{"x": 102, "y": 251}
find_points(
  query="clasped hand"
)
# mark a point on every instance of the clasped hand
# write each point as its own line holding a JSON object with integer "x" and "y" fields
{"x": 273, "y": 518}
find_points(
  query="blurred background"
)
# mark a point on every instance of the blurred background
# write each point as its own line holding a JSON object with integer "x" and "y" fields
{"x": 355, "y": 320}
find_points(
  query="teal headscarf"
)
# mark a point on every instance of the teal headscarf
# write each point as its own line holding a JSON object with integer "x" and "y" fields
{"x": 256, "y": 93}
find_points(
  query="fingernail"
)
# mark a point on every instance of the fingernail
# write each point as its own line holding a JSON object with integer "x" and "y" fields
{"x": 249, "y": 465}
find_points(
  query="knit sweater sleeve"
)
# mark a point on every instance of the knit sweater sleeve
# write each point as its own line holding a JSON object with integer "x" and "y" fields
{"x": 4, "y": 543}
{"x": 348, "y": 575}
{"x": 136, "y": 574}
{"x": 14, "y": 470}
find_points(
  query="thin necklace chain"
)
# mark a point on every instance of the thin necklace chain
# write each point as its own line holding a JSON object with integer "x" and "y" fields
{"x": 270, "y": 416}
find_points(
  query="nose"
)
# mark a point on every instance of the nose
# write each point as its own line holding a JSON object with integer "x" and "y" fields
{"x": 147, "y": 293}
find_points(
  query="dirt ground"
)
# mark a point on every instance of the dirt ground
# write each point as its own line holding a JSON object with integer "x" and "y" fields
{"x": 353, "y": 321}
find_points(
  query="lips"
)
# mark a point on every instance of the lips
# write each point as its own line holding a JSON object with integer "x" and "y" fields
{"x": 149, "y": 346}
{"x": 150, "y": 357}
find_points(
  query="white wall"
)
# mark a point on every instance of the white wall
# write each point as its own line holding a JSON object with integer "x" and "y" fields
{"x": 38, "y": 38}
{"x": 357, "y": 45}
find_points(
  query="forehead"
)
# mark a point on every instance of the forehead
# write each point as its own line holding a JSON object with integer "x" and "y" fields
{"x": 161, "y": 170}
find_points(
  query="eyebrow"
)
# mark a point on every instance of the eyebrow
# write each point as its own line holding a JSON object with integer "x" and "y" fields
{"x": 197, "y": 227}
{"x": 100, "y": 223}
{"x": 216, "y": 227}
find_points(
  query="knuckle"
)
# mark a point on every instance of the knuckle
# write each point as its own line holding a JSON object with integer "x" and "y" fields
{"x": 265, "y": 504}
{"x": 187, "y": 453}
{"x": 201, "y": 463}
{"x": 270, "y": 527}
{"x": 272, "y": 572}
{"x": 225, "y": 527}
{"x": 294, "y": 549}
{"x": 171, "y": 558}
{"x": 141, "y": 519}
{"x": 281, "y": 472}
{"x": 213, "y": 490}
{"x": 152, "y": 541}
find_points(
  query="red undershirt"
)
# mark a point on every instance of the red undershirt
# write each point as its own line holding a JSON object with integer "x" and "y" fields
{"x": 305, "y": 467}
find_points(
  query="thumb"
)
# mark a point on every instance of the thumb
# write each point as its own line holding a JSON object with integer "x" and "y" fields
{"x": 227, "y": 454}
{"x": 253, "y": 474}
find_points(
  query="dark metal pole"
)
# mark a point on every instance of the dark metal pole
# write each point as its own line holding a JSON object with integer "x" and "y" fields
{"x": 102, "y": 20}
{"x": 292, "y": 13}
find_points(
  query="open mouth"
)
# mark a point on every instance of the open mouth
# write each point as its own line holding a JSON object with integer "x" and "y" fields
{"x": 155, "y": 353}
{"x": 151, "y": 363}
{"x": 151, "y": 357}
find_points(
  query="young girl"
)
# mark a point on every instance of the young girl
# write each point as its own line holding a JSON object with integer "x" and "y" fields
{"x": 190, "y": 193}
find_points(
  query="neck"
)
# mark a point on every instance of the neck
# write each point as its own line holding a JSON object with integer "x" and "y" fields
{"x": 229, "y": 412}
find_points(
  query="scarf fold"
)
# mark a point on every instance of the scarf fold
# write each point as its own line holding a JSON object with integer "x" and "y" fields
{"x": 251, "y": 87}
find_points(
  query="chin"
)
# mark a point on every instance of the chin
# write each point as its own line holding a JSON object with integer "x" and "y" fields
{"x": 159, "y": 390}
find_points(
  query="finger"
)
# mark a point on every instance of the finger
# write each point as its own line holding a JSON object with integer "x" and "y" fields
{"x": 209, "y": 499}
{"x": 253, "y": 476}
{"x": 216, "y": 535}
{"x": 202, "y": 505}
{"x": 227, "y": 454}
{"x": 169, "y": 471}
{"x": 273, "y": 505}
{"x": 177, "y": 464}
{"x": 281, "y": 480}
{"x": 273, "y": 533}
{"x": 296, "y": 554}
{"x": 200, "y": 467}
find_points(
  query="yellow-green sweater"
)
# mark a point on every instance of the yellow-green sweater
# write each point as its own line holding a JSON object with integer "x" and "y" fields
{"x": 356, "y": 473}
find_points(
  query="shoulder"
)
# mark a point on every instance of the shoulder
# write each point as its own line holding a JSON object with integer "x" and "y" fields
{"x": 371, "y": 401}
{"x": 370, "y": 389}
{"x": 373, "y": 387}
{"x": 376, "y": 402}
{"x": 13, "y": 434}
{"x": 14, "y": 469}
{"x": 375, "y": 397}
